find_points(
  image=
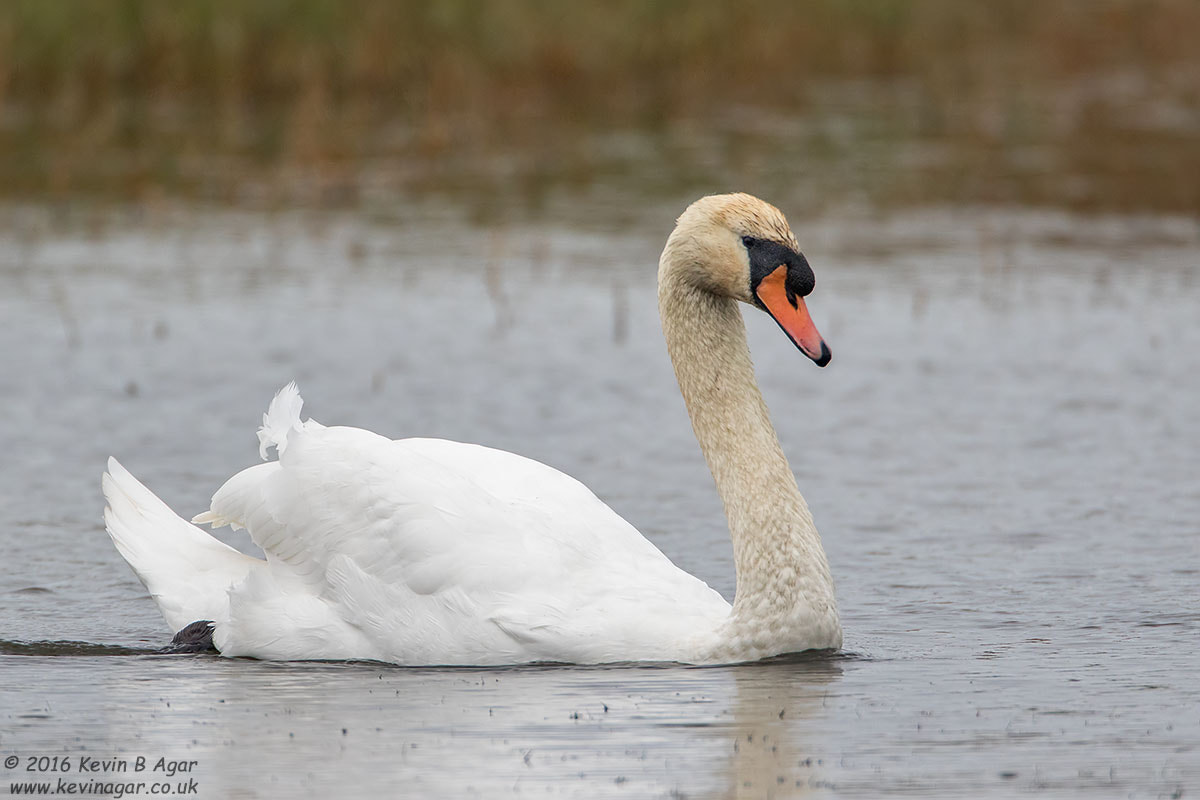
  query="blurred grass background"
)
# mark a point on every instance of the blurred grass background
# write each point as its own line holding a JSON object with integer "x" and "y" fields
{"x": 1086, "y": 104}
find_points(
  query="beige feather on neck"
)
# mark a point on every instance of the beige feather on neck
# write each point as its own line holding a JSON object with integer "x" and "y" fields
{"x": 785, "y": 598}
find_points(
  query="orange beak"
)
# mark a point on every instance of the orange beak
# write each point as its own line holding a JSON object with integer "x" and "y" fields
{"x": 787, "y": 309}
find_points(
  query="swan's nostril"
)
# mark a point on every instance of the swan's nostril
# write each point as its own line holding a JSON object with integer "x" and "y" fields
{"x": 790, "y": 289}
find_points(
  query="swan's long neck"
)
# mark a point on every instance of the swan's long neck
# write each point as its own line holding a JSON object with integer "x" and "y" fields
{"x": 784, "y": 598}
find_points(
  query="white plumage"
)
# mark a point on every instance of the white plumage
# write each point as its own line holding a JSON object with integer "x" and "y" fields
{"x": 424, "y": 551}
{"x": 454, "y": 554}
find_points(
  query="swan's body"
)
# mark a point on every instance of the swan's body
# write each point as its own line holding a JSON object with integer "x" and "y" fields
{"x": 423, "y": 551}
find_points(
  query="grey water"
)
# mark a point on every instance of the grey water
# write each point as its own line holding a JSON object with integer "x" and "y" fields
{"x": 1001, "y": 458}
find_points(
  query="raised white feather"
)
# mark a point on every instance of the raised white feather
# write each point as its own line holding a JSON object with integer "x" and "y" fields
{"x": 282, "y": 417}
{"x": 424, "y": 551}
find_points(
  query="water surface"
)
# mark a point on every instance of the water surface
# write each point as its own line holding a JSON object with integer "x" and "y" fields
{"x": 1001, "y": 460}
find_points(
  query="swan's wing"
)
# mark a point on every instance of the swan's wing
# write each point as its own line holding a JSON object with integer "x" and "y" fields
{"x": 426, "y": 541}
{"x": 408, "y": 509}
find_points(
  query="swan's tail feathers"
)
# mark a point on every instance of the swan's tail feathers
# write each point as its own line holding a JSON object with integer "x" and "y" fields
{"x": 187, "y": 572}
{"x": 282, "y": 417}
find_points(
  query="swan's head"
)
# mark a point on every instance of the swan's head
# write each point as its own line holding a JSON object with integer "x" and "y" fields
{"x": 737, "y": 246}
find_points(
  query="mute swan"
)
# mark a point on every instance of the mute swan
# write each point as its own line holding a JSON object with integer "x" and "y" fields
{"x": 428, "y": 552}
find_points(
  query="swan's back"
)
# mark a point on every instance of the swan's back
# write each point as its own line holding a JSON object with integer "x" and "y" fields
{"x": 443, "y": 552}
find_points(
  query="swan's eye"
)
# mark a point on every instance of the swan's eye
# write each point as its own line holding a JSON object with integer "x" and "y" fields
{"x": 748, "y": 241}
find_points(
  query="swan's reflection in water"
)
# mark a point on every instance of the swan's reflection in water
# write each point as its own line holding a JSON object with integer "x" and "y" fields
{"x": 775, "y": 708}
{"x": 257, "y": 729}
